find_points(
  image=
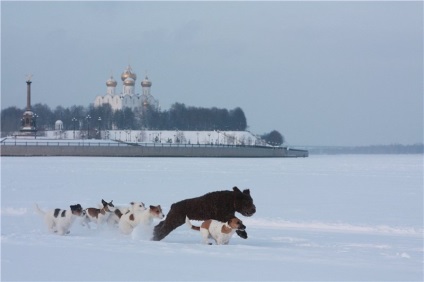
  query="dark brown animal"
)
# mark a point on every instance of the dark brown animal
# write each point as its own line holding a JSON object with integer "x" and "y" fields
{"x": 219, "y": 205}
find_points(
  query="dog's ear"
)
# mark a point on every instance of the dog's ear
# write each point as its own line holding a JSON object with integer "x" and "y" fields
{"x": 235, "y": 189}
{"x": 152, "y": 207}
{"x": 246, "y": 191}
{"x": 132, "y": 203}
{"x": 103, "y": 202}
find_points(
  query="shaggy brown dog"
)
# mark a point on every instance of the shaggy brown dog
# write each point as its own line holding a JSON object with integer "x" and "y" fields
{"x": 220, "y": 205}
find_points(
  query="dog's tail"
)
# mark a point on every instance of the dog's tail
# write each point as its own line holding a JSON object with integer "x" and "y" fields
{"x": 38, "y": 210}
{"x": 190, "y": 225}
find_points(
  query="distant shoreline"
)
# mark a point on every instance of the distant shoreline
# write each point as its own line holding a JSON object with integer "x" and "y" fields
{"x": 372, "y": 149}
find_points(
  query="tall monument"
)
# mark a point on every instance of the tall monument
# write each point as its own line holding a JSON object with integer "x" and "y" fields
{"x": 28, "y": 121}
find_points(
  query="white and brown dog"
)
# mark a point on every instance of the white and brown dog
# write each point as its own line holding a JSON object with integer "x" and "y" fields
{"x": 119, "y": 211}
{"x": 221, "y": 232}
{"x": 60, "y": 221}
{"x": 130, "y": 220}
{"x": 98, "y": 216}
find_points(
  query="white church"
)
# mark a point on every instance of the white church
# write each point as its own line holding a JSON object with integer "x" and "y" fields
{"x": 128, "y": 98}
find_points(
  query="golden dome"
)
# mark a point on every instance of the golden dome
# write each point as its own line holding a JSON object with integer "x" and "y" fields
{"x": 111, "y": 82}
{"x": 146, "y": 82}
{"x": 128, "y": 74}
{"x": 129, "y": 82}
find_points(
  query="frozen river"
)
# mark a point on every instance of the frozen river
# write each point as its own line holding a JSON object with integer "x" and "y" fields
{"x": 343, "y": 217}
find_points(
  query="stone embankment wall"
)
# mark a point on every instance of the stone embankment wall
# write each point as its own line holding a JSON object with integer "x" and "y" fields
{"x": 103, "y": 150}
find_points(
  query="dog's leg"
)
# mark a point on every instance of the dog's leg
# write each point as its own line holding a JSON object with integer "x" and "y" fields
{"x": 176, "y": 217}
{"x": 113, "y": 220}
{"x": 125, "y": 227}
{"x": 103, "y": 219}
{"x": 205, "y": 236}
{"x": 85, "y": 221}
{"x": 50, "y": 224}
{"x": 60, "y": 231}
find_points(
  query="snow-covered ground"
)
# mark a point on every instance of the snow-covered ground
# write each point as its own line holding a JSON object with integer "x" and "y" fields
{"x": 332, "y": 218}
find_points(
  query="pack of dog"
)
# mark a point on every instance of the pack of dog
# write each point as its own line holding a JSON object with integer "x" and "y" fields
{"x": 216, "y": 210}
{"x": 59, "y": 221}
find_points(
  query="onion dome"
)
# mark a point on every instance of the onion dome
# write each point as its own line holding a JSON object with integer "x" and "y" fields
{"x": 111, "y": 82}
{"x": 129, "y": 82}
{"x": 128, "y": 73}
{"x": 146, "y": 82}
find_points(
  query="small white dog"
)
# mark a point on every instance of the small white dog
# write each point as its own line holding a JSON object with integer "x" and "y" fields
{"x": 130, "y": 220}
{"x": 221, "y": 232}
{"x": 59, "y": 221}
{"x": 98, "y": 216}
{"x": 114, "y": 217}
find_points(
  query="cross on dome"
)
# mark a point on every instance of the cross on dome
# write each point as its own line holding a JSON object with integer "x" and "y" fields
{"x": 128, "y": 72}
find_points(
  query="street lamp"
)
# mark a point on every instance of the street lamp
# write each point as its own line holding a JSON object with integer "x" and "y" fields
{"x": 88, "y": 126}
{"x": 100, "y": 133}
{"x": 35, "y": 125}
{"x": 74, "y": 121}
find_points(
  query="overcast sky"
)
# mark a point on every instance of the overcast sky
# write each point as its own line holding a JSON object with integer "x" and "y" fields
{"x": 321, "y": 73}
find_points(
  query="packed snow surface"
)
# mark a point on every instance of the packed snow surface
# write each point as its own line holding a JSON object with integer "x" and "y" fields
{"x": 327, "y": 218}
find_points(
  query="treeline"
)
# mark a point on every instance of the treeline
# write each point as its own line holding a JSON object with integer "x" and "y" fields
{"x": 179, "y": 116}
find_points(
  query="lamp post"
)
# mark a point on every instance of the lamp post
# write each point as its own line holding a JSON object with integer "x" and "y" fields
{"x": 100, "y": 133}
{"x": 88, "y": 126}
{"x": 74, "y": 121}
{"x": 35, "y": 125}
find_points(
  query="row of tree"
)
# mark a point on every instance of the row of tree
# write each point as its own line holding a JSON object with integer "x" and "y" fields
{"x": 178, "y": 116}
